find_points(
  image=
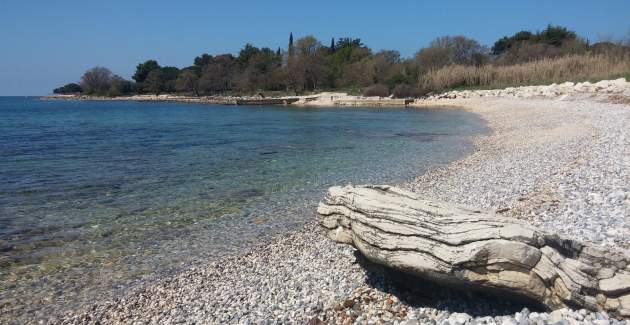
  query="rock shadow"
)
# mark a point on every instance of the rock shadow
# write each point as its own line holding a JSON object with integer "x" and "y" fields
{"x": 418, "y": 292}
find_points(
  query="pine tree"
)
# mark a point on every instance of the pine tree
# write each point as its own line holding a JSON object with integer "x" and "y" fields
{"x": 332, "y": 45}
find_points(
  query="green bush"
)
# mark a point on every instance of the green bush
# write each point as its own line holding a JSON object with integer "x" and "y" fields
{"x": 71, "y": 88}
{"x": 406, "y": 91}
{"x": 376, "y": 90}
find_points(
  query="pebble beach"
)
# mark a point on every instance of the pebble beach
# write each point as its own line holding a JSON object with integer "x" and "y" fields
{"x": 559, "y": 159}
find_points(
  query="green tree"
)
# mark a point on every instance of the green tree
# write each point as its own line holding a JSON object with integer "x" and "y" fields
{"x": 169, "y": 76}
{"x": 202, "y": 60}
{"x": 505, "y": 43}
{"x": 349, "y": 42}
{"x": 290, "y": 47}
{"x": 246, "y": 53}
{"x": 143, "y": 70}
{"x": 526, "y": 46}
{"x": 154, "y": 82}
{"x": 556, "y": 35}
{"x": 120, "y": 86}
{"x": 343, "y": 64}
{"x": 259, "y": 73}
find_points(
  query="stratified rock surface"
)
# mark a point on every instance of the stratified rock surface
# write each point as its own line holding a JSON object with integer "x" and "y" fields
{"x": 458, "y": 245}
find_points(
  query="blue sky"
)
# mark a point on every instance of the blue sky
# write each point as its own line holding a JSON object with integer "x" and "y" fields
{"x": 49, "y": 43}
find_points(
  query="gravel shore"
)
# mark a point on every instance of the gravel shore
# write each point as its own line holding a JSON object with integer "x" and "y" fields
{"x": 561, "y": 164}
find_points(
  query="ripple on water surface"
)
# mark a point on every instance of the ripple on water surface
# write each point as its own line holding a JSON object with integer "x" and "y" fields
{"x": 97, "y": 196}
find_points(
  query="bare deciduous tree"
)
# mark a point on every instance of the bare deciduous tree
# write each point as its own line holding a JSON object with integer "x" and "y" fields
{"x": 96, "y": 81}
{"x": 430, "y": 58}
{"x": 187, "y": 82}
{"x": 461, "y": 50}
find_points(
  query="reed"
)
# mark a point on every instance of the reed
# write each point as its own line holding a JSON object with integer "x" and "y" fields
{"x": 550, "y": 70}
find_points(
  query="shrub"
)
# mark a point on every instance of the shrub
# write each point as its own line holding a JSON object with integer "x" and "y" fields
{"x": 71, "y": 88}
{"x": 376, "y": 90}
{"x": 120, "y": 87}
{"x": 406, "y": 91}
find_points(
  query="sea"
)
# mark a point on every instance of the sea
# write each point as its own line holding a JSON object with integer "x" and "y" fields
{"x": 97, "y": 197}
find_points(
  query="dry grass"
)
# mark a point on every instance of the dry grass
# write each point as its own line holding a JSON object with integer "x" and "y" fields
{"x": 567, "y": 68}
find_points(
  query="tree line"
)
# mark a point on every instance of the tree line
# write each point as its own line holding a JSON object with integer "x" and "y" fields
{"x": 306, "y": 65}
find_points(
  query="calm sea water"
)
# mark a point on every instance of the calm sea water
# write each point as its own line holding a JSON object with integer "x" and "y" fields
{"x": 97, "y": 196}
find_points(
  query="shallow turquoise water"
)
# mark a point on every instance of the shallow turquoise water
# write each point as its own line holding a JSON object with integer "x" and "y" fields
{"x": 95, "y": 196}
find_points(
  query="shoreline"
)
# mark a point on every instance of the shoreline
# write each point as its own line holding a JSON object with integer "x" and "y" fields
{"x": 323, "y": 99}
{"x": 557, "y": 163}
{"x": 613, "y": 91}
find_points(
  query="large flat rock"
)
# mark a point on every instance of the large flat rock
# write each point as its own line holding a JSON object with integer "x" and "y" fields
{"x": 462, "y": 246}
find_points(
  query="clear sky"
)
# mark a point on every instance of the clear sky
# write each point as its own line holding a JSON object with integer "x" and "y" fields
{"x": 48, "y": 43}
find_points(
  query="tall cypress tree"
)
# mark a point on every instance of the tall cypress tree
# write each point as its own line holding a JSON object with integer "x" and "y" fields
{"x": 291, "y": 45}
{"x": 332, "y": 45}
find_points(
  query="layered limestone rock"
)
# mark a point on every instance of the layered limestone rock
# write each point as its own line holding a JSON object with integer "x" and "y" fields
{"x": 463, "y": 246}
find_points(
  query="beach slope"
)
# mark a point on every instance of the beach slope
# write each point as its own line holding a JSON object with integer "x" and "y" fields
{"x": 560, "y": 162}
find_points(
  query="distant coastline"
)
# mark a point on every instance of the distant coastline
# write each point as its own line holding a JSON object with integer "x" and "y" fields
{"x": 320, "y": 99}
{"x": 612, "y": 90}
{"x": 349, "y": 67}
